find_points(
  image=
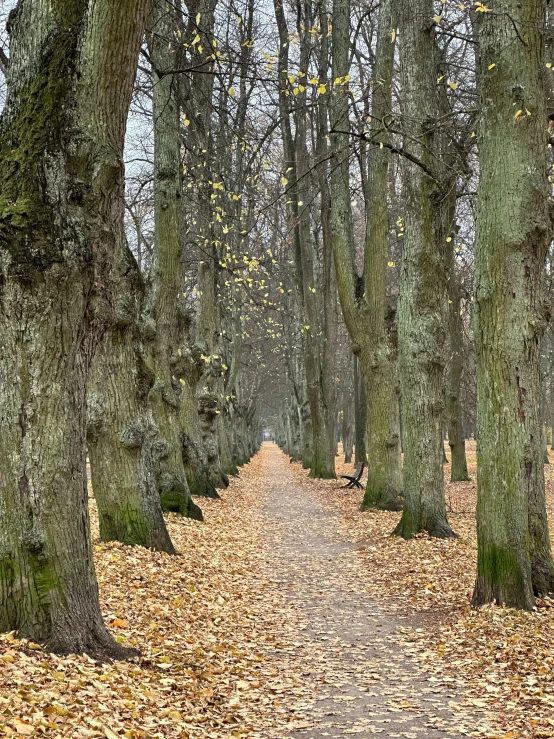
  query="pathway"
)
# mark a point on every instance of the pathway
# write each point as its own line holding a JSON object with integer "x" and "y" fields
{"x": 360, "y": 676}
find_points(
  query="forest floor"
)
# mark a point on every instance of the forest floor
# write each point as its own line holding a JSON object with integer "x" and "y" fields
{"x": 289, "y": 614}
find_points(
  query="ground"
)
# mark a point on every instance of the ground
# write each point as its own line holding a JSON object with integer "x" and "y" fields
{"x": 290, "y": 614}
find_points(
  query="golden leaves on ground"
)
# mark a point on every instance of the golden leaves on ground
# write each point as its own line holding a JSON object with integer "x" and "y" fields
{"x": 505, "y": 656}
{"x": 291, "y": 613}
{"x": 201, "y": 624}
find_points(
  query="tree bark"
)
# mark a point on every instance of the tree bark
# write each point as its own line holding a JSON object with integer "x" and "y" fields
{"x": 120, "y": 430}
{"x": 363, "y": 300}
{"x": 512, "y": 237}
{"x": 422, "y": 305}
{"x": 72, "y": 66}
{"x": 313, "y": 302}
{"x": 166, "y": 273}
{"x": 456, "y": 439}
{"x": 360, "y": 417}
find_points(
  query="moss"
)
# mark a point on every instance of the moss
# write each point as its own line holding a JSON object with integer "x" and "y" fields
{"x": 381, "y": 499}
{"x": 45, "y": 578}
{"x": 33, "y": 127}
{"x": 501, "y": 569}
{"x": 407, "y": 527}
{"x": 35, "y": 568}
{"x": 173, "y": 501}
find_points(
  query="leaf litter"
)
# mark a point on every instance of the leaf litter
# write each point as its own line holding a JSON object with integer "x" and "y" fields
{"x": 291, "y": 614}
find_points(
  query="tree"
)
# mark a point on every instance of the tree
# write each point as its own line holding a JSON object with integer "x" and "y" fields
{"x": 512, "y": 236}
{"x": 422, "y": 305}
{"x": 313, "y": 295}
{"x": 363, "y": 299}
{"x": 166, "y": 277}
{"x": 69, "y": 83}
{"x": 121, "y": 434}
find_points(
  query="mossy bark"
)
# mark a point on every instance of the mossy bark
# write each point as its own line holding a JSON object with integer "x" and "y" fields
{"x": 72, "y": 66}
{"x": 120, "y": 429}
{"x": 167, "y": 277}
{"x": 360, "y": 416}
{"x": 512, "y": 238}
{"x": 197, "y": 93}
{"x": 363, "y": 300}
{"x": 422, "y": 305}
{"x": 197, "y": 468}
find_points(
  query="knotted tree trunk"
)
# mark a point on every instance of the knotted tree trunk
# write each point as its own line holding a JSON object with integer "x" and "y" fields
{"x": 70, "y": 79}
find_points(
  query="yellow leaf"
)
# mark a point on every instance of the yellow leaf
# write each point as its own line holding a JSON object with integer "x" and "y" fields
{"x": 518, "y": 113}
{"x": 452, "y": 85}
{"x": 492, "y": 66}
{"x": 231, "y": 91}
{"x": 322, "y": 89}
{"x": 119, "y": 623}
{"x": 391, "y": 264}
{"x": 23, "y": 727}
{"x": 393, "y": 35}
{"x": 292, "y": 78}
{"x": 284, "y": 181}
{"x": 437, "y": 18}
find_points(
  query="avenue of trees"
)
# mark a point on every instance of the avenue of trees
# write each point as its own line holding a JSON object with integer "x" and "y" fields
{"x": 327, "y": 218}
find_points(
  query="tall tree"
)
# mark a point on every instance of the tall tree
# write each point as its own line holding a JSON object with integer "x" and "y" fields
{"x": 313, "y": 295}
{"x": 363, "y": 300}
{"x": 70, "y": 79}
{"x": 121, "y": 434}
{"x": 456, "y": 438}
{"x": 422, "y": 305}
{"x": 512, "y": 236}
{"x": 166, "y": 274}
{"x": 198, "y": 104}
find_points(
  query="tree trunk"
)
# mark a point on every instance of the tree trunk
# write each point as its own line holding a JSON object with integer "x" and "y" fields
{"x": 197, "y": 91}
{"x": 422, "y": 305}
{"x": 167, "y": 278}
{"x": 314, "y": 305}
{"x": 69, "y": 83}
{"x": 347, "y": 435}
{"x": 456, "y": 439}
{"x": 360, "y": 417}
{"x": 512, "y": 237}
{"x": 365, "y": 315}
{"x": 197, "y": 466}
{"x": 120, "y": 428}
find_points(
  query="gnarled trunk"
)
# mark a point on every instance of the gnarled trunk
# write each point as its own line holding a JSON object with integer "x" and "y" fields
{"x": 167, "y": 276}
{"x": 120, "y": 428}
{"x": 61, "y": 204}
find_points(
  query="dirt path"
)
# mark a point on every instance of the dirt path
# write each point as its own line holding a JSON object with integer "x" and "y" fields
{"x": 360, "y": 676}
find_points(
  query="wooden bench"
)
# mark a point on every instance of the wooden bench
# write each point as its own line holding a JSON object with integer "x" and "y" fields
{"x": 354, "y": 480}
